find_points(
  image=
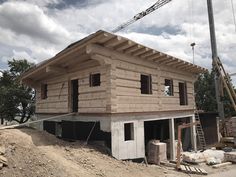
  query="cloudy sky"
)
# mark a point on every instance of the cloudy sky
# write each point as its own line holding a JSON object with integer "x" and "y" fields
{"x": 38, "y": 29}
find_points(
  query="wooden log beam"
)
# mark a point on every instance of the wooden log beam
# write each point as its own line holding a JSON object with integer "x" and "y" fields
{"x": 123, "y": 45}
{"x": 132, "y": 49}
{"x": 163, "y": 58}
{"x": 55, "y": 69}
{"x": 174, "y": 62}
{"x": 103, "y": 60}
{"x": 113, "y": 41}
{"x": 182, "y": 63}
{"x": 155, "y": 56}
{"x": 148, "y": 54}
{"x": 140, "y": 51}
{"x": 75, "y": 60}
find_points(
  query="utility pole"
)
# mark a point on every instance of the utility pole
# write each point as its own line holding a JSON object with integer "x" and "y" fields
{"x": 218, "y": 81}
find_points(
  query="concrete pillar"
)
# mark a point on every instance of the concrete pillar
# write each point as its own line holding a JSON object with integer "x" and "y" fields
{"x": 172, "y": 139}
{"x": 193, "y": 134}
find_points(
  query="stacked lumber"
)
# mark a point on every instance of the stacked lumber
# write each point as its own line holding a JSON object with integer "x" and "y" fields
{"x": 156, "y": 152}
{"x": 3, "y": 160}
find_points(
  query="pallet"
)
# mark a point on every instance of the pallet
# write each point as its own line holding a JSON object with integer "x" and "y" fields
{"x": 192, "y": 170}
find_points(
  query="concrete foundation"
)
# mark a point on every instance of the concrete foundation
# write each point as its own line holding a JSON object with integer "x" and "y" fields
{"x": 128, "y": 142}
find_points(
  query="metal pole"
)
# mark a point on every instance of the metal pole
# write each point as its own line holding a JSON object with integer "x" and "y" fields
{"x": 192, "y": 45}
{"x": 218, "y": 82}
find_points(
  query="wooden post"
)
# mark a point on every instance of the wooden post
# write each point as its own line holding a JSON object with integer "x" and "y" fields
{"x": 180, "y": 127}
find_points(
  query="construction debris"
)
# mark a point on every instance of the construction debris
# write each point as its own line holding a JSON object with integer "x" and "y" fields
{"x": 230, "y": 156}
{"x": 221, "y": 165}
{"x": 192, "y": 170}
{"x": 209, "y": 156}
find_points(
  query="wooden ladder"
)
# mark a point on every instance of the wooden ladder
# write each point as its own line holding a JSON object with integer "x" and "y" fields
{"x": 200, "y": 133}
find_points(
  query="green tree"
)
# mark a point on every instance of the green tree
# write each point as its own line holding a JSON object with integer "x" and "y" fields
{"x": 16, "y": 100}
{"x": 205, "y": 95}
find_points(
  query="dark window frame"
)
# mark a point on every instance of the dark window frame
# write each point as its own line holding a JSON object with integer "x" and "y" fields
{"x": 146, "y": 84}
{"x": 44, "y": 91}
{"x": 95, "y": 80}
{"x": 183, "y": 94}
{"x": 129, "y": 131}
{"x": 170, "y": 83}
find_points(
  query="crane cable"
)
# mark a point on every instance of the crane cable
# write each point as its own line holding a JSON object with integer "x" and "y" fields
{"x": 232, "y": 4}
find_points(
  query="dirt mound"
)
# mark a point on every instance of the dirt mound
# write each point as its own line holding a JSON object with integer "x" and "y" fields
{"x": 32, "y": 153}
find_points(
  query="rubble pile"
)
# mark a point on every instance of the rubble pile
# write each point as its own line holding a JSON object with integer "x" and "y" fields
{"x": 210, "y": 157}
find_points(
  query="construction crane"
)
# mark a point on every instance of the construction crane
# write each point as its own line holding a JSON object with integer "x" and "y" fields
{"x": 140, "y": 15}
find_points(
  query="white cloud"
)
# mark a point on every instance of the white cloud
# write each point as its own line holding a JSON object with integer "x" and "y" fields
{"x": 27, "y": 19}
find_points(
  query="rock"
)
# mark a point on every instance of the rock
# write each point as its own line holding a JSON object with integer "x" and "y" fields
{"x": 1, "y": 165}
{"x": 2, "y": 150}
{"x": 3, "y": 160}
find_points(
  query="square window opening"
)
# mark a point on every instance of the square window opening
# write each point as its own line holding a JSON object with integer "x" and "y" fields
{"x": 95, "y": 80}
{"x": 129, "y": 131}
{"x": 146, "y": 84}
{"x": 44, "y": 91}
{"x": 169, "y": 89}
{"x": 183, "y": 96}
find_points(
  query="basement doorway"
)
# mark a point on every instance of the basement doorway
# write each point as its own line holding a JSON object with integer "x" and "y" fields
{"x": 74, "y": 95}
{"x": 157, "y": 130}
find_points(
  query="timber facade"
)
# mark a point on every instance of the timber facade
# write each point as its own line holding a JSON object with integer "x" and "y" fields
{"x": 120, "y": 84}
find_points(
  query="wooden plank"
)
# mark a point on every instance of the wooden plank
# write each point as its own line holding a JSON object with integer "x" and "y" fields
{"x": 133, "y": 48}
{"x": 222, "y": 165}
{"x": 123, "y": 45}
{"x": 140, "y": 51}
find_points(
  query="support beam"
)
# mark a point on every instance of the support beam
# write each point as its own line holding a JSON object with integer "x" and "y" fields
{"x": 172, "y": 139}
{"x": 155, "y": 56}
{"x": 148, "y": 54}
{"x": 114, "y": 41}
{"x": 55, "y": 69}
{"x": 139, "y": 52}
{"x": 103, "y": 60}
{"x": 132, "y": 49}
{"x": 123, "y": 45}
{"x": 193, "y": 133}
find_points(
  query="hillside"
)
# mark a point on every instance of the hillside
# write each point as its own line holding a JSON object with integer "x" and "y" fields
{"x": 32, "y": 153}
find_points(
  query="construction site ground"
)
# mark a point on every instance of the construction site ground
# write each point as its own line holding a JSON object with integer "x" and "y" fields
{"x": 33, "y": 153}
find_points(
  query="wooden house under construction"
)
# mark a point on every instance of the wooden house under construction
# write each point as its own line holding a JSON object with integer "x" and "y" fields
{"x": 133, "y": 92}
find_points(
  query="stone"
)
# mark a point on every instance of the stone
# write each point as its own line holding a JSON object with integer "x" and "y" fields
{"x": 2, "y": 150}
{"x": 3, "y": 160}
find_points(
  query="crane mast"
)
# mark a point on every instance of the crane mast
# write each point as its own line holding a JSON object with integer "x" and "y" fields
{"x": 140, "y": 15}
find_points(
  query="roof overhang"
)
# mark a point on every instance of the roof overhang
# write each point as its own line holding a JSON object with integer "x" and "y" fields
{"x": 112, "y": 42}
